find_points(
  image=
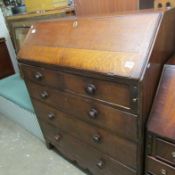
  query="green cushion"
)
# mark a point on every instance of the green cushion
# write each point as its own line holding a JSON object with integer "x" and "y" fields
{"x": 14, "y": 89}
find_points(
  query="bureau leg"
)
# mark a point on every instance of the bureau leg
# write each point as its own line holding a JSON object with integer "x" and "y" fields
{"x": 49, "y": 145}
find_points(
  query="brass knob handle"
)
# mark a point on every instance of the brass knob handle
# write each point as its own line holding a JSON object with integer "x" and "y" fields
{"x": 38, "y": 76}
{"x": 51, "y": 116}
{"x": 93, "y": 113}
{"x": 44, "y": 95}
{"x": 101, "y": 164}
{"x": 57, "y": 137}
{"x": 97, "y": 138}
{"x": 163, "y": 172}
{"x": 173, "y": 155}
{"x": 90, "y": 89}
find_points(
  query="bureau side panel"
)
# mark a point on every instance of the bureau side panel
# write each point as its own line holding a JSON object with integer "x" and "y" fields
{"x": 162, "y": 51}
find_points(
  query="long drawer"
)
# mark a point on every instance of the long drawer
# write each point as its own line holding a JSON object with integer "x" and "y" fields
{"x": 122, "y": 124}
{"x": 157, "y": 167}
{"x": 165, "y": 151}
{"x": 87, "y": 157}
{"x": 119, "y": 148}
{"x": 114, "y": 93}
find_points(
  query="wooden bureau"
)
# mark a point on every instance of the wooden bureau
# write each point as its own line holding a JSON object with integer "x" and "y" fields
{"x": 92, "y": 83}
{"x": 161, "y": 131}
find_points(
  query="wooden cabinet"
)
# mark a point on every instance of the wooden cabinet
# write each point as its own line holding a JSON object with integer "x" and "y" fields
{"x": 101, "y": 7}
{"x": 161, "y": 130}
{"x": 146, "y": 4}
{"x": 6, "y": 67}
{"x": 89, "y": 82}
{"x": 156, "y": 167}
{"x": 165, "y": 151}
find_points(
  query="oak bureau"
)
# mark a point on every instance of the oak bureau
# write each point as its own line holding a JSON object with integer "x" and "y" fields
{"x": 92, "y": 81}
{"x": 160, "y": 146}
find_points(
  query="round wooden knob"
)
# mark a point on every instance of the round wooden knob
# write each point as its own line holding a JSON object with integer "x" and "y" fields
{"x": 38, "y": 76}
{"x": 93, "y": 113}
{"x": 51, "y": 116}
{"x": 90, "y": 89}
{"x": 44, "y": 95}
{"x": 97, "y": 138}
{"x": 101, "y": 164}
{"x": 58, "y": 137}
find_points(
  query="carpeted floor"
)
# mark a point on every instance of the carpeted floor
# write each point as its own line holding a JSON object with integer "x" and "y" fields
{"x": 23, "y": 154}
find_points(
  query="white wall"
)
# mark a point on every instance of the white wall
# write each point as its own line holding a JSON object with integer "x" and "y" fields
{"x": 5, "y": 34}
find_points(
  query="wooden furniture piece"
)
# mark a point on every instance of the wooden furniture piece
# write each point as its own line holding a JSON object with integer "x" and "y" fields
{"x": 146, "y": 4}
{"x": 88, "y": 79}
{"x": 164, "y": 4}
{"x": 161, "y": 131}
{"x": 33, "y": 6}
{"x": 101, "y": 7}
{"x": 19, "y": 25}
{"x": 6, "y": 67}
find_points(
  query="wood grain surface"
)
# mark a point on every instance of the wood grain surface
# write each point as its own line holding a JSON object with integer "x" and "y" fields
{"x": 120, "y": 124}
{"x": 86, "y": 156}
{"x": 108, "y": 143}
{"x": 155, "y": 166}
{"x": 99, "y": 7}
{"x": 111, "y": 92}
{"x": 113, "y": 45}
{"x": 162, "y": 117}
{"x": 128, "y": 48}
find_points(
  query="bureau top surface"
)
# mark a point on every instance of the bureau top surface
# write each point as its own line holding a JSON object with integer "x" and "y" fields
{"x": 162, "y": 117}
{"x": 117, "y": 45}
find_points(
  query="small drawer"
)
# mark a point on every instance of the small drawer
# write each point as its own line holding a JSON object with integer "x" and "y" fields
{"x": 165, "y": 151}
{"x": 96, "y": 113}
{"x": 107, "y": 91}
{"x": 43, "y": 76}
{"x": 157, "y": 167}
{"x": 98, "y": 138}
{"x": 117, "y": 94}
{"x": 86, "y": 156}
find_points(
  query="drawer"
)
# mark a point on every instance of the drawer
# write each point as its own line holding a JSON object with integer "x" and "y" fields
{"x": 86, "y": 156}
{"x": 43, "y": 76}
{"x": 98, "y": 138}
{"x": 157, "y": 167}
{"x": 104, "y": 116}
{"x": 110, "y": 92}
{"x": 165, "y": 151}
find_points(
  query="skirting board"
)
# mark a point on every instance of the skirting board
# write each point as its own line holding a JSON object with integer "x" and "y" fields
{"x": 26, "y": 119}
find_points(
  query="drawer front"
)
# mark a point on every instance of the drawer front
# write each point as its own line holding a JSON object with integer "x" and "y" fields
{"x": 113, "y": 93}
{"x": 165, "y": 151}
{"x": 157, "y": 167}
{"x": 86, "y": 156}
{"x": 120, "y": 123}
{"x": 98, "y": 138}
{"x": 43, "y": 76}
